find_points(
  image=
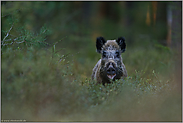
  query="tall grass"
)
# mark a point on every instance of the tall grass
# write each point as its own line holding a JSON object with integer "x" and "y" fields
{"x": 39, "y": 84}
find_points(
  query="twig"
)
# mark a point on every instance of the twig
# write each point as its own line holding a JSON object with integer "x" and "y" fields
{"x": 19, "y": 42}
{"x": 15, "y": 39}
{"x": 44, "y": 31}
{"x": 7, "y": 33}
{"x": 7, "y": 40}
{"x": 64, "y": 56}
{"x": 59, "y": 40}
{"x": 11, "y": 39}
{"x": 7, "y": 44}
{"x": 12, "y": 43}
{"x": 59, "y": 50}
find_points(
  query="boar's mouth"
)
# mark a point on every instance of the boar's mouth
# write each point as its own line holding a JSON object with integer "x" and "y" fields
{"x": 111, "y": 76}
{"x": 111, "y": 72}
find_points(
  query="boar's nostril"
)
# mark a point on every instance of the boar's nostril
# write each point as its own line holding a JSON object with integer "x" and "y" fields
{"x": 111, "y": 71}
{"x": 110, "y": 64}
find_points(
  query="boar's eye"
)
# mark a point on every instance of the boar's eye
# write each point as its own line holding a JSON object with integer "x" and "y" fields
{"x": 104, "y": 54}
{"x": 117, "y": 54}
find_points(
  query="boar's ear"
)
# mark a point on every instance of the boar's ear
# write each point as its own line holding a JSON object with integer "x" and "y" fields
{"x": 99, "y": 43}
{"x": 121, "y": 43}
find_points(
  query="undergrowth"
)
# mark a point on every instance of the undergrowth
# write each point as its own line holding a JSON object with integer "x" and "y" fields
{"x": 40, "y": 84}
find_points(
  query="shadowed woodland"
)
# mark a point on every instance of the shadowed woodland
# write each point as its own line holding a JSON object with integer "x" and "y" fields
{"x": 48, "y": 51}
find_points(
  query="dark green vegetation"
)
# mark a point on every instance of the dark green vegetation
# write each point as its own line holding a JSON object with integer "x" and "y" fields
{"x": 45, "y": 80}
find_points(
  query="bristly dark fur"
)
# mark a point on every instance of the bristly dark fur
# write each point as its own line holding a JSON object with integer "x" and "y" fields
{"x": 121, "y": 43}
{"x": 99, "y": 43}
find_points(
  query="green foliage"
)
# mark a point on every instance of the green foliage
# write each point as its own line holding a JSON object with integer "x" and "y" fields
{"x": 25, "y": 39}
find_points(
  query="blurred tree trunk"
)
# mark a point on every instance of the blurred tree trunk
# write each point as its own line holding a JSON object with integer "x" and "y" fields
{"x": 176, "y": 26}
{"x": 160, "y": 28}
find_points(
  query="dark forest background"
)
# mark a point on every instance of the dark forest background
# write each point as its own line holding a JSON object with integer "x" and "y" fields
{"x": 48, "y": 53}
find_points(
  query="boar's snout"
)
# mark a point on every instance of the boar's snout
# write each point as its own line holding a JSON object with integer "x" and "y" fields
{"x": 111, "y": 72}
